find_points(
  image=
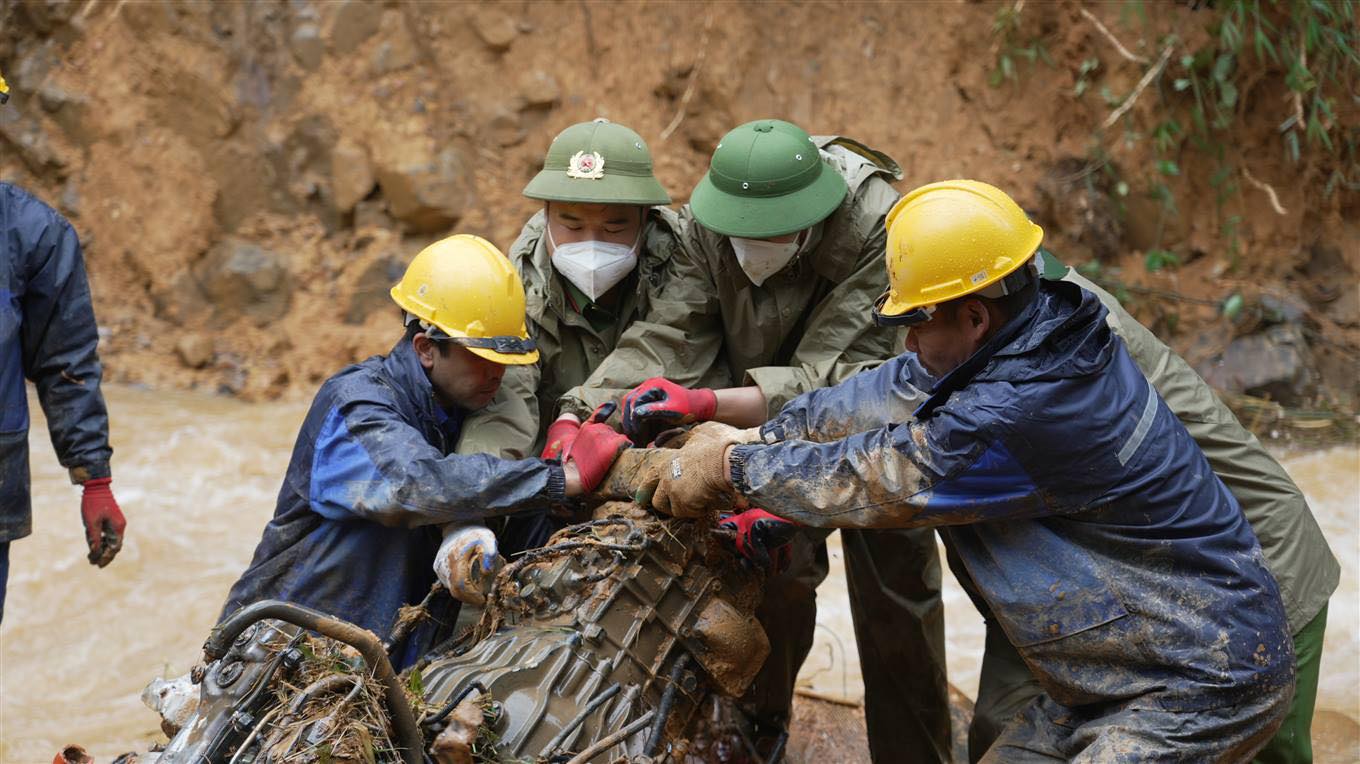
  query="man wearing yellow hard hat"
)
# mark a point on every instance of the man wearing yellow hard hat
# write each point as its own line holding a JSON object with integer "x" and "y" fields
{"x": 1116, "y": 563}
{"x": 373, "y": 476}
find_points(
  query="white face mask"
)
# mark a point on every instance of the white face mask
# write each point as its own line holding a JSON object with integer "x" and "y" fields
{"x": 762, "y": 259}
{"x": 593, "y": 266}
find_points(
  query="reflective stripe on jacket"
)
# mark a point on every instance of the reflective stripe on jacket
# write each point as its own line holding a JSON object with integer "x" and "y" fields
{"x": 355, "y": 530}
{"x": 806, "y": 327}
{"x": 1116, "y": 562}
{"x": 47, "y": 335}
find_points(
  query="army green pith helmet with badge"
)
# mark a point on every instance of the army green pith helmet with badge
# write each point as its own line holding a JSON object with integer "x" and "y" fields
{"x": 598, "y": 162}
{"x": 767, "y": 178}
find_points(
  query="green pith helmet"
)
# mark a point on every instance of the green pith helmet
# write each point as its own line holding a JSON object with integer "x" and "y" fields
{"x": 766, "y": 179}
{"x": 597, "y": 162}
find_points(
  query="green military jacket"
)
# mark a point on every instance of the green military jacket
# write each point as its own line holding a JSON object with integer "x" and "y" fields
{"x": 570, "y": 342}
{"x": 1295, "y": 549}
{"x": 808, "y": 326}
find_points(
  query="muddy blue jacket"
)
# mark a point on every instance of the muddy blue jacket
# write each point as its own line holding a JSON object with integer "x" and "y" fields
{"x": 1117, "y": 563}
{"x": 356, "y": 529}
{"x": 47, "y": 335}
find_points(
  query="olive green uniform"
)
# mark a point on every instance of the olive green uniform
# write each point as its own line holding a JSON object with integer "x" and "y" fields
{"x": 574, "y": 335}
{"x": 1295, "y": 550}
{"x": 808, "y": 326}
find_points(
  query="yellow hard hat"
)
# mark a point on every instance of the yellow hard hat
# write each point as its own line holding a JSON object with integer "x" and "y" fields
{"x": 4, "y": 89}
{"x": 950, "y": 239}
{"x": 466, "y": 289}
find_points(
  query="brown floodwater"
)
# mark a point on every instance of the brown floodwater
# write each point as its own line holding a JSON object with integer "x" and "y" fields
{"x": 197, "y": 476}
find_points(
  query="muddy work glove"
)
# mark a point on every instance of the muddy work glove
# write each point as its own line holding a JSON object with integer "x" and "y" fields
{"x": 594, "y": 451}
{"x": 467, "y": 563}
{"x": 695, "y": 482}
{"x": 659, "y": 403}
{"x": 104, "y": 523}
{"x": 762, "y": 538}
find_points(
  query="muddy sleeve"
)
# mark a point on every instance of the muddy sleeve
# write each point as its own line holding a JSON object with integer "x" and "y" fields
{"x": 60, "y": 340}
{"x": 887, "y": 395}
{"x": 370, "y": 464}
{"x": 940, "y": 472}
{"x": 679, "y": 339}
{"x": 508, "y": 428}
{"x": 840, "y": 338}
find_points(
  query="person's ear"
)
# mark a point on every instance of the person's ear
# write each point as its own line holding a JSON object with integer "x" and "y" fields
{"x": 978, "y": 318}
{"x": 425, "y": 349}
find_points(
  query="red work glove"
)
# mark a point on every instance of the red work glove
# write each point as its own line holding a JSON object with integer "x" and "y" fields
{"x": 762, "y": 538}
{"x": 593, "y": 452}
{"x": 562, "y": 432}
{"x": 661, "y": 400}
{"x": 104, "y": 521}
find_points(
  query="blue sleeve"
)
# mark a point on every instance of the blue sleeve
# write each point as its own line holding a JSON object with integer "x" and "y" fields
{"x": 60, "y": 337}
{"x": 368, "y": 463}
{"x": 944, "y": 471}
{"x": 883, "y": 396}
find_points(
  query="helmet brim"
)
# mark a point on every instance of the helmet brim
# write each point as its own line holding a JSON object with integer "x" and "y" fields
{"x": 760, "y": 217}
{"x": 557, "y": 186}
{"x": 505, "y": 359}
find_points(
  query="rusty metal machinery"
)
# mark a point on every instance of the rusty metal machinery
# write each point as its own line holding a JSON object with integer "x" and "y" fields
{"x": 623, "y": 638}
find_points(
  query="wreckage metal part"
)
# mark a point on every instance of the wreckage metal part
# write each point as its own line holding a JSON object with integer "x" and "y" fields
{"x": 604, "y": 744}
{"x": 575, "y": 722}
{"x": 369, "y": 646}
{"x": 667, "y": 701}
{"x": 452, "y": 704}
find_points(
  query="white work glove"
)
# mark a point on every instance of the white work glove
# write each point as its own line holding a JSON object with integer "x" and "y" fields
{"x": 467, "y": 562}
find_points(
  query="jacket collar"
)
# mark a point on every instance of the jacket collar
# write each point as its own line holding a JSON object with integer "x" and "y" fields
{"x": 410, "y": 380}
{"x": 1061, "y": 333}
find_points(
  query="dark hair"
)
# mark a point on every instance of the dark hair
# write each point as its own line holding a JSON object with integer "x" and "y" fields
{"x": 1009, "y": 306}
{"x": 413, "y": 328}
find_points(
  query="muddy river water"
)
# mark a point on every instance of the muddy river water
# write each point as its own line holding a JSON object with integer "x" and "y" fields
{"x": 197, "y": 477}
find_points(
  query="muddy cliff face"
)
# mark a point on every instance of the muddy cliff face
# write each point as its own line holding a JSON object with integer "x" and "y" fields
{"x": 249, "y": 178}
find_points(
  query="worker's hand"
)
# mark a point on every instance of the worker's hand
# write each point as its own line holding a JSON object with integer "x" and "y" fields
{"x": 104, "y": 523}
{"x": 560, "y": 435}
{"x": 659, "y": 401}
{"x": 467, "y": 563}
{"x": 762, "y": 538}
{"x": 695, "y": 481}
{"x": 593, "y": 452}
{"x": 563, "y": 431}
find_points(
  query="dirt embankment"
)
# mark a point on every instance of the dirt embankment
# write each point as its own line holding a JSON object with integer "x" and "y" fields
{"x": 250, "y": 177}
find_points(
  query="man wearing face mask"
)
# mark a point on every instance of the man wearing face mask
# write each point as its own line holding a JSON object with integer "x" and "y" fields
{"x": 770, "y": 299}
{"x": 590, "y": 261}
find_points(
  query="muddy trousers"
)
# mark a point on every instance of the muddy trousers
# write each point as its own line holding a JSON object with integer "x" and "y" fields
{"x": 1045, "y": 731}
{"x": 1007, "y": 686}
{"x": 893, "y": 580}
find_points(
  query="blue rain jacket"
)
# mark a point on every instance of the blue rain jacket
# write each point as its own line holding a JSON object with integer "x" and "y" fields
{"x": 355, "y": 530}
{"x": 47, "y": 335}
{"x": 1118, "y": 564}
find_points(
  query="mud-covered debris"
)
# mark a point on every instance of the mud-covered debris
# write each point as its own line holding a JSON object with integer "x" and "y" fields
{"x": 176, "y": 700}
{"x": 73, "y": 754}
{"x": 455, "y": 744}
